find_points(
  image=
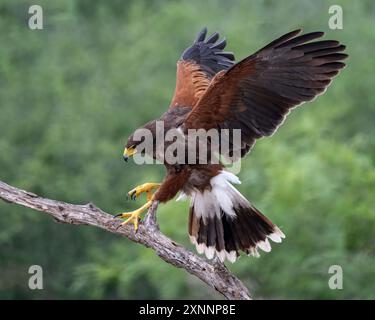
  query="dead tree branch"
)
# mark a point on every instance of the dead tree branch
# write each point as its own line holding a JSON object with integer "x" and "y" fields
{"x": 215, "y": 274}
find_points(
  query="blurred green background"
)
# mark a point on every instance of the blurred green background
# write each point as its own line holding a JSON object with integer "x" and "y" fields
{"x": 70, "y": 95}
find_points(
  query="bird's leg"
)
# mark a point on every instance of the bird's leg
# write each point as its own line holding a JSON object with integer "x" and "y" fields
{"x": 148, "y": 188}
{"x": 133, "y": 216}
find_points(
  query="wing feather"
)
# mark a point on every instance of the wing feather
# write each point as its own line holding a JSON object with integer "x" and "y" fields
{"x": 198, "y": 64}
{"x": 257, "y": 93}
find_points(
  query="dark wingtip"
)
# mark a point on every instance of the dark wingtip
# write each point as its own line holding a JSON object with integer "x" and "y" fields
{"x": 317, "y": 34}
{"x": 201, "y": 35}
{"x": 295, "y": 32}
{"x": 213, "y": 37}
{"x": 208, "y": 53}
{"x": 219, "y": 45}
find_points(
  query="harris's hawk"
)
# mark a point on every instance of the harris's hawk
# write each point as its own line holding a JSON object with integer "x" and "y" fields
{"x": 254, "y": 95}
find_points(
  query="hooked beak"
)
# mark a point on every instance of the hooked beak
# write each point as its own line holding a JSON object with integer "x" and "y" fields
{"x": 128, "y": 152}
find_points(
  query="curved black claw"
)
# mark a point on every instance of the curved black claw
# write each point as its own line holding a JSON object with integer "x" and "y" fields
{"x": 133, "y": 195}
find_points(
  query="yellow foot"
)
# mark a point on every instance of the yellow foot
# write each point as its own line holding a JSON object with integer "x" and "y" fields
{"x": 148, "y": 188}
{"x": 134, "y": 215}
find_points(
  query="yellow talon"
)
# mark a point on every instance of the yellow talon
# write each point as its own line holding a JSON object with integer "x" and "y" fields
{"x": 148, "y": 188}
{"x": 134, "y": 215}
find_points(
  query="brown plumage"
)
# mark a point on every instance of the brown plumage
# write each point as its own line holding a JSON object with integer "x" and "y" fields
{"x": 191, "y": 83}
{"x": 253, "y": 95}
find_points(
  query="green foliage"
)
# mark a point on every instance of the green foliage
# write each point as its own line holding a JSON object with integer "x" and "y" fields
{"x": 70, "y": 95}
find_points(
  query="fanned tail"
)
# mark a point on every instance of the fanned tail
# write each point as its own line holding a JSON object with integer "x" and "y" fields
{"x": 223, "y": 223}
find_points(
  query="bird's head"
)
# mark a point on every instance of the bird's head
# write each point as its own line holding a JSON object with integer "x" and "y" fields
{"x": 130, "y": 148}
{"x": 146, "y": 135}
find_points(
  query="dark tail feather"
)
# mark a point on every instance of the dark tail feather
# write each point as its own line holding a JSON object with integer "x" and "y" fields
{"x": 227, "y": 235}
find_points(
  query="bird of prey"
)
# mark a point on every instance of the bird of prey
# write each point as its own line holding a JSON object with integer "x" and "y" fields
{"x": 254, "y": 95}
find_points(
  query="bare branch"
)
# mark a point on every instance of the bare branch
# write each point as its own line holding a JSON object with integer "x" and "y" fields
{"x": 215, "y": 274}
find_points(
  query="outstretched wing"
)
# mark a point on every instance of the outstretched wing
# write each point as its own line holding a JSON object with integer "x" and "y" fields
{"x": 197, "y": 66}
{"x": 257, "y": 93}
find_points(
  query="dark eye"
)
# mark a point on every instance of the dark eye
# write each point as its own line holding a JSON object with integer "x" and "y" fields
{"x": 178, "y": 168}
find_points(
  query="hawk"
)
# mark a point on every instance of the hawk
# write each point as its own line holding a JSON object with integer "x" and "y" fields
{"x": 254, "y": 95}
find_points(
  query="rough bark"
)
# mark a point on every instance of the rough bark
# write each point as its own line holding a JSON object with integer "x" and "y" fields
{"x": 213, "y": 273}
